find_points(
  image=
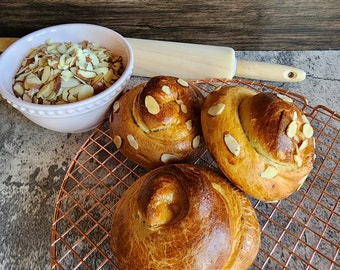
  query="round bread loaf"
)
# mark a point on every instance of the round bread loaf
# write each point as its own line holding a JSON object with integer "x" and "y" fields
{"x": 183, "y": 216}
{"x": 158, "y": 122}
{"x": 261, "y": 141}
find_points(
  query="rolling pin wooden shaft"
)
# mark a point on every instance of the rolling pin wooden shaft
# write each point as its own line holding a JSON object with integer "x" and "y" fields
{"x": 196, "y": 61}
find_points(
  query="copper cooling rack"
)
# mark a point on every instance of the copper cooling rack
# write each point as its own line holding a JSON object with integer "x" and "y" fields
{"x": 300, "y": 232}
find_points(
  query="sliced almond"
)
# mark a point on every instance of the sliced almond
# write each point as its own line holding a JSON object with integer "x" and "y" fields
{"x": 296, "y": 138}
{"x": 166, "y": 89}
{"x": 291, "y": 129}
{"x": 307, "y": 130}
{"x": 62, "y": 60}
{"x": 305, "y": 119}
{"x": 65, "y": 95}
{"x": 188, "y": 124}
{"x": 109, "y": 75}
{"x": 26, "y": 98}
{"x": 196, "y": 142}
{"x": 117, "y": 140}
{"x": 168, "y": 158}
{"x": 81, "y": 92}
{"x": 297, "y": 149}
{"x": 94, "y": 59}
{"x": 72, "y": 98}
{"x": 61, "y": 48}
{"x": 303, "y": 145}
{"x": 89, "y": 67}
{"x": 298, "y": 160}
{"x": 103, "y": 70}
{"x": 285, "y": 98}
{"x": 116, "y": 106}
{"x": 302, "y": 181}
{"x": 85, "y": 91}
{"x": 97, "y": 81}
{"x": 32, "y": 81}
{"x": 70, "y": 61}
{"x": 295, "y": 116}
{"x": 88, "y": 74}
{"x": 81, "y": 58}
{"x": 46, "y": 90}
{"x": 218, "y": 88}
{"x": 184, "y": 108}
{"x": 35, "y": 63}
{"x": 132, "y": 141}
{"x": 46, "y": 74}
{"x": 66, "y": 75}
{"x": 152, "y": 105}
{"x": 52, "y": 96}
{"x": 232, "y": 144}
{"x": 269, "y": 173}
{"x": 71, "y": 82}
{"x": 183, "y": 82}
{"x": 19, "y": 89}
{"x": 69, "y": 65}
{"x": 216, "y": 109}
{"x": 275, "y": 201}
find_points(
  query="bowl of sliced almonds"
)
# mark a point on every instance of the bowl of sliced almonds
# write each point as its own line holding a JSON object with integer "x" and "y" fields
{"x": 66, "y": 77}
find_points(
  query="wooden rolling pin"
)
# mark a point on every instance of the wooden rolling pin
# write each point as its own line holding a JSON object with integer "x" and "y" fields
{"x": 195, "y": 61}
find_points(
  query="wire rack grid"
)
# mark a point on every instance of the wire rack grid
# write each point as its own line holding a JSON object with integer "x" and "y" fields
{"x": 300, "y": 232}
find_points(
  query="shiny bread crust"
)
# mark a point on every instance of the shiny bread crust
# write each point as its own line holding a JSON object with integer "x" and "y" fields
{"x": 272, "y": 137}
{"x": 184, "y": 216}
{"x": 158, "y": 122}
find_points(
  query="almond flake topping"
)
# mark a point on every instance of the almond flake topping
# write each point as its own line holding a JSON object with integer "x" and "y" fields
{"x": 298, "y": 160}
{"x": 116, "y": 106}
{"x": 152, "y": 105}
{"x": 184, "y": 108}
{"x": 232, "y": 144}
{"x": 117, "y": 140}
{"x": 307, "y": 130}
{"x": 305, "y": 119}
{"x": 291, "y": 129}
{"x": 196, "y": 142}
{"x": 216, "y": 109}
{"x": 166, "y": 89}
{"x": 275, "y": 201}
{"x": 167, "y": 158}
{"x": 132, "y": 141}
{"x": 188, "y": 124}
{"x": 285, "y": 98}
{"x": 269, "y": 173}
{"x": 183, "y": 82}
{"x": 295, "y": 116}
{"x": 303, "y": 145}
{"x": 302, "y": 181}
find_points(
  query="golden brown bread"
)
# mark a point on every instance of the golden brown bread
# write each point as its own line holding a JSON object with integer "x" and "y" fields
{"x": 158, "y": 122}
{"x": 262, "y": 142}
{"x": 181, "y": 217}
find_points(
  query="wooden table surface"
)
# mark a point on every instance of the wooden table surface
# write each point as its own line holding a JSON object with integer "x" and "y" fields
{"x": 243, "y": 25}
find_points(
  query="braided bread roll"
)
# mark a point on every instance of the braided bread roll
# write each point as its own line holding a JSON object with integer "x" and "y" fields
{"x": 158, "y": 122}
{"x": 262, "y": 142}
{"x": 183, "y": 216}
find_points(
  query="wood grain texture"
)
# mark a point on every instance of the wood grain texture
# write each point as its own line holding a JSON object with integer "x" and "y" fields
{"x": 243, "y": 25}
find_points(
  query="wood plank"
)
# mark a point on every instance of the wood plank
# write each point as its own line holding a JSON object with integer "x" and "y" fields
{"x": 243, "y": 25}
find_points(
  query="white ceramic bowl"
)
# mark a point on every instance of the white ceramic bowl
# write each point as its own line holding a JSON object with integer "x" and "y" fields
{"x": 74, "y": 117}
